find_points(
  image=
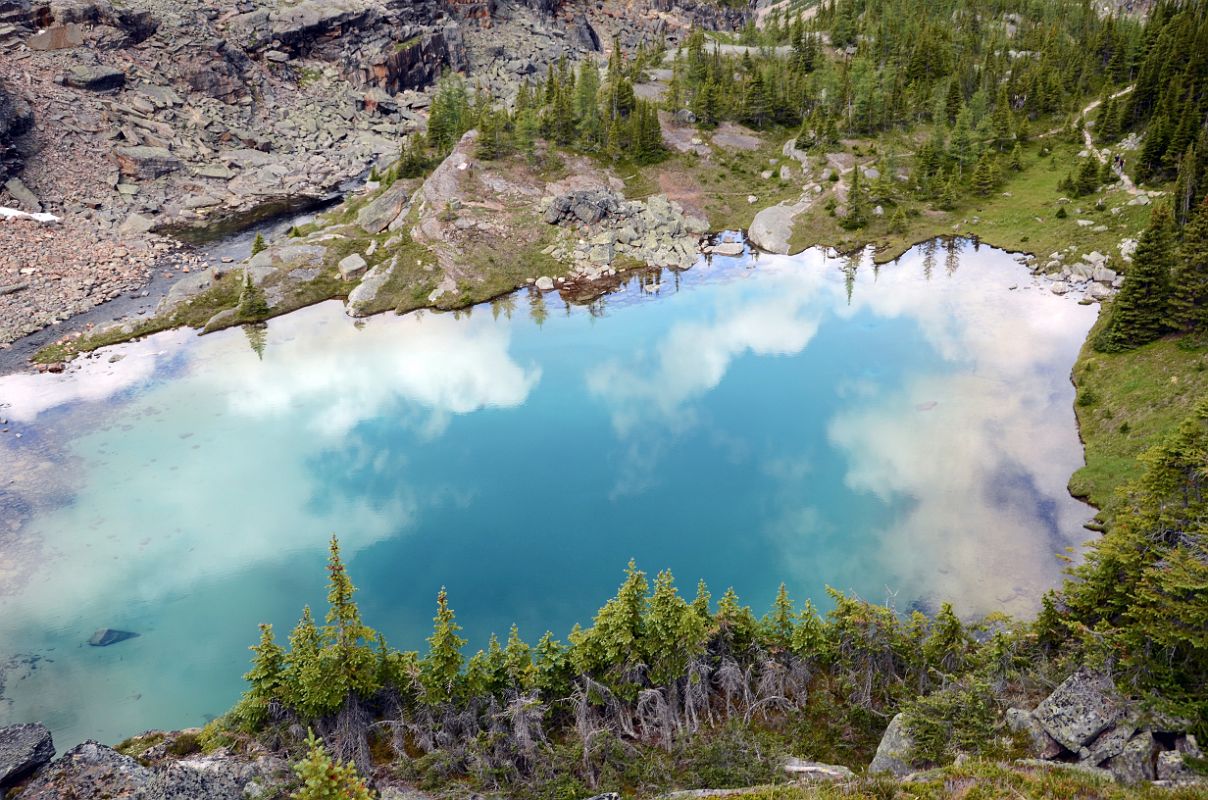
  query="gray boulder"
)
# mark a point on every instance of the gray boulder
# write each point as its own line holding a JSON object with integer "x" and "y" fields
{"x": 23, "y": 749}
{"x": 288, "y": 256}
{"x": 352, "y": 267}
{"x": 801, "y": 769}
{"x": 894, "y": 752}
{"x": 364, "y": 293}
{"x": 1110, "y": 743}
{"x": 383, "y": 209}
{"x": 1043, "y": 745}
{"x": 89, "y": 770}
{"x": 545, "y": 283}
{"x": 146, "y": 163}
{"x": 1135, "y": 763}
{"x": 97, "y": 78}
{"x": 1172, "y": 768}
{"x": 184, "y": 781}
{"x": 1080, "y": 709}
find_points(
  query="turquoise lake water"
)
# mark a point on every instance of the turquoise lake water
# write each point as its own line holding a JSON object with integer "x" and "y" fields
{"x": 904, "y": 432}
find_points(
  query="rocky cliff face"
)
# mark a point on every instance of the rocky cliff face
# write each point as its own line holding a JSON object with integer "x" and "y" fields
{"x": 16, "y": 119}
{"x": 157, "y": 115}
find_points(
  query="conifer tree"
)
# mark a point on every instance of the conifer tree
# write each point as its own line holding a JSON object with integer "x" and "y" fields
{"x": 897, "y": 222}
{"x": 266, "y": 679}
{"x": 351, "y": 657}
{"x": 308, "y": 689}
{"x": 443, "y": 663}
{"x": 1087, "y": 179}
{"x": 700, "y": 603}
{"x": 1189, "y": 282}
{"x": 857, "y": 203}
{"x": 961, "y": 147}
{"x": 517, "y": 661}
{"x": 253, "y": 304}
{"x": 810, "y": 636}
{"x": 736, "y": 626}
{"x": 983, "y": 177}
{"x": 779, "y": 623}
{"x": 258, "y": 244}
{"x": 551, "y": 667}
{"x": 325, "y": 779}
{"x": 948, "y": 197}
{"x": 1139, "y": 312}
{"x": 673, "y": 634}
{"x": 948, "y": 644}
{"x": 1185, "y": 189}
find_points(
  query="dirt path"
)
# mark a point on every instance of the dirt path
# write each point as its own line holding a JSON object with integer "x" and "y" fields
{"x": 1101, "y": 155}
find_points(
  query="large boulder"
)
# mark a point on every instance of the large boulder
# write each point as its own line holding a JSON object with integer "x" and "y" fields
{"x": 352, "y": 267}
{"x": 94, "y": 78}
{"x": 146, "y": 163}
{"x": 384, "y": 209}
{"x": 1042, "y": 745}
{"x": 185, "y": 780}
{"x": 1109, "y": 744}
{"x": 1172, "y": 767}
{"x": 583, "y": 35}
{"x": 1080, "y": 709}
{"x": 89, "y": 770}
{"x": 23, "y": 749}
{"x": 895, "y": 750}
{"x": 1135, "y": 763}
{"x": 297, "y": 26}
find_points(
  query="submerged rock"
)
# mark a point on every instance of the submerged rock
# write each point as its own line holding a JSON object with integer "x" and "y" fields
{"x": 23, "y": 749}
{"x": 107, "y": 636}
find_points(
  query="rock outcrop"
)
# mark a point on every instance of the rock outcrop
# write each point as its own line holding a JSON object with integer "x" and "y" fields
{"x": 1086, "y": 722}
{"x": 16, "y": 119}
{"x": 92, "y": 770}
{"x": 23, "y": 750}
{"x": 655, "y": 231}
{"x": 88, "y": 770}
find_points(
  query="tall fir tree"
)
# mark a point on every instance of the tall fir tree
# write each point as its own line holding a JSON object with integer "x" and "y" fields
{"x": 1189, "y": 280}
{"x": 1138, "y": 314}
{"x": 442, "y": 665}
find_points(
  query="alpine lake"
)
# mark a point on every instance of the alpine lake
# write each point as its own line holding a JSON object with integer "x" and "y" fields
{"x": 904, "y": 432}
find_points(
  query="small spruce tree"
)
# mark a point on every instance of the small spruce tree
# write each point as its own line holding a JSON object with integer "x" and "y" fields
{"x": 323, "y": 778}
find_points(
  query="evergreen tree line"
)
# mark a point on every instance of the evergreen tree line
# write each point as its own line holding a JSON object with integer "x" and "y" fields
{"x": 1166, "y": 287}
{"x": 1170, "y": 101}
{"x": 570, "y": 107}
{"x": 658, "y": 672}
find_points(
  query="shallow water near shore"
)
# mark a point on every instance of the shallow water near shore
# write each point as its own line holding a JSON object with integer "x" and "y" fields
{"x": 905, "y": 432}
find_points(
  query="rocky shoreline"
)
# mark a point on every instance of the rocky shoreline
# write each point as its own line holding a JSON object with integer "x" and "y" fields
{"x": 1085, "y": 724}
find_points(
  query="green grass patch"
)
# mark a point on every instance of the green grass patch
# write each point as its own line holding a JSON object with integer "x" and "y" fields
{"x": 1021, "y": 216}
{"x": 1126, "y": 403}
